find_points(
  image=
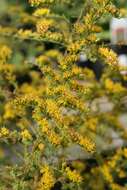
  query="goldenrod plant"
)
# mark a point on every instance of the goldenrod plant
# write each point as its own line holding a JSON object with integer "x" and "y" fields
{"x": 48, "y": 104}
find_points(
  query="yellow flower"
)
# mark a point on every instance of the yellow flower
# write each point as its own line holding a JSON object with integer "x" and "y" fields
{"x": 9, "y": 111}
{"x": 38, "y": 2}
{"x": 42, "y": 12}
{"x": 74, "y": 47}
{"x": 123, "y": 12}
{"x": 106, "y": 172}
{"x": 122, "y": 174}
{"x": 47, "y": 130}
{"x": 125, "y": 152}
{"x": 73, "y": 176}
{"x": 55, "y": 54}
{"x": 109, "y": 56}
{"x": 54, "y": 36}
{"x": 115, "y": 186}
{"x": 7, "y": 71}
{"x": 92, "y": 123}
{"x": 42, "y": 60}
{"x": 43, "y": 25}
{"x": 112, "y": 9}
{"x": 25, "y": 134}
{"x": 24, "y": 33}
{"x": 68, "y": 60}
{"x": 96, "y": 28}
{"x": 53, "y": 109}
{"x": 41, "y": 146}
{"x": 35, "y": 2}
{"x": 47, "y": 180}
{"x": 92, "y": 38}
{"x": 87, "y": 144}
{"x": 113, "y": 87}
{"x": 76, "y": 70}
{"x": 5, "y": 53}
{"x": 79, "y": 27}
{"x": 4, "y": 132}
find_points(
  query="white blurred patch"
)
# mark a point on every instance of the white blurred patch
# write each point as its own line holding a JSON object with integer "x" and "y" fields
{"x": 83, "y": 57}
{"x": 118, "y": 30}
{"x": 123, "y": 63}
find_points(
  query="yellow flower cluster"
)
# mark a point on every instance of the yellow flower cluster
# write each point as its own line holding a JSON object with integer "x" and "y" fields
{"x": 106, "y": 172}
{"x": 92, "y": 123}
{"x": 75, "y": 47}
{"x": 10, "y": 112}
{"x": 85, "y": 142}
{"x": 73, "y": 176}
{"x": 125, "y": 152}
{"x": 42, "y": 60}
{"x": 53, "y": 109}
{"x": 112, "y": 9}
{"x": 43, "y": 25}
{"x": 25, "y": 135}
{"x": 41, "y": 146}
{"x": 27, "y": 99}
{"x": 42, "y": 12}
{"x": 54, "y": 36}
{"x": 5, "y": 53}
{"x": 54, "y": 54}
{"x": 38, "y": 2}
{"x": 47, "y": 130}
{"x": 113, "y": 87}
{"x": 115, "y": 186}
{"x": 96, "y": 28}
{"x": 4, "y": 132}
{"x": 43, "y": 30}
{"x": 35, "y": 2}
{"x": 109, "y": 56}
{"x": 7, "y": 71}
{"x": 68, "y": 60}
{"x": 47, "y": 180}
{"x": 111, "y": 166}
{"x": 79, "y": 28}
{"x": 25, "y": 34}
